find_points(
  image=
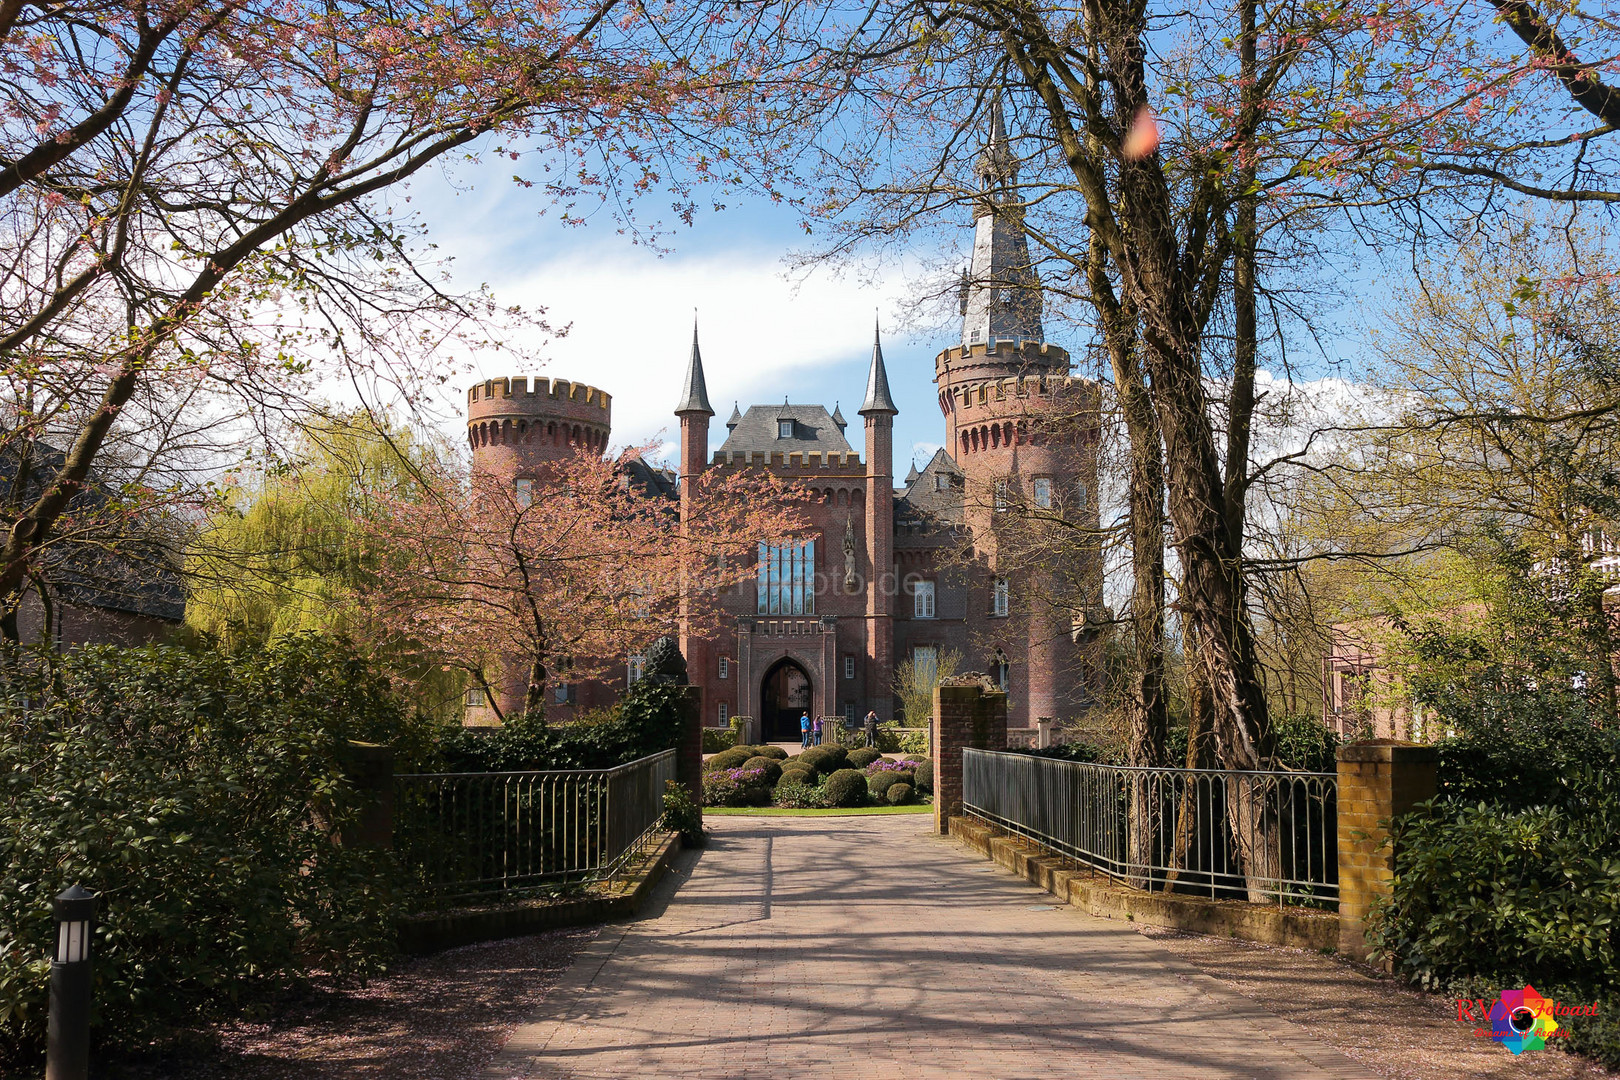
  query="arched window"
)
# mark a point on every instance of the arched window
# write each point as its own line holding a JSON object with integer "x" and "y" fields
{"x": 1000, "y": 670}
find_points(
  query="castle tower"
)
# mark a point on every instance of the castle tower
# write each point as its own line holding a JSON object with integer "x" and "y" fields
{"x": 514, "y": 427}
{"x": 879, "y": 411}
{"x": 694, "y": 412}
{"x": 1020, "y": 429}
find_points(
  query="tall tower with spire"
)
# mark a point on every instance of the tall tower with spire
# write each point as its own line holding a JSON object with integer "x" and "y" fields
{"x": 694, "y": 411}
{"x": 878, "y": 410}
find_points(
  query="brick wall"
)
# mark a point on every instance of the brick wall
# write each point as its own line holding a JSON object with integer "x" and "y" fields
{"x": 967, "y": 712}
{"x": 1377, "y": 781}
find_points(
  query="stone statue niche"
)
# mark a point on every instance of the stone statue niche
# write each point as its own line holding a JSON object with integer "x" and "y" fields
{"x": 665, "y": 664}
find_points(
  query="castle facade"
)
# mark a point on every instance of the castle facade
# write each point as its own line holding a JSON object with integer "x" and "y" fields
{"x": 885, "y": 574}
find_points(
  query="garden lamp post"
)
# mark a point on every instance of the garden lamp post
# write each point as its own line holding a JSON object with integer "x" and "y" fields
{"x": 67, "y": 1048}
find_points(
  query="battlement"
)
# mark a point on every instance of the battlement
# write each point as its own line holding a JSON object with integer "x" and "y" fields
{"x": 1004, "y": 353}
{"x": 777, "y": 459}
{"x": 537, "y": 395}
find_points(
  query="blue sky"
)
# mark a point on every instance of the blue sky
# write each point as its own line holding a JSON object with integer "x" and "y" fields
{"x": 766, "y": 330}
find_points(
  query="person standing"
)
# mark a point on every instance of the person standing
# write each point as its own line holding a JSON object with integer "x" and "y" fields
{"x": 815, "y": 732}
{"x": 804, "y": 732}
{"x": 871, "y": 727}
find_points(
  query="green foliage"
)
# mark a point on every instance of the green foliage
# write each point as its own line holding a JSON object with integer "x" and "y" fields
{"x": 879, "y": 783}
{"x": 797, "y": 774}
{"x": 862, "y": 757}
{"x": 735, "y": 787}
{"x": 198, "y": 793}
{"x": 647, "y": 720}
{"x": 1303, "y": 742}
{"x": 899, "y": 794}
{"x": 796, "y": 793}
{"x": 844, "y": 788}
{"x": 768, "y": 766}
{"x": 825, "y": 759}
{"x": 1073, "y": 751}
{"x": 717, "y": 739}
{"x": 1522, "y": 896}
{"x": 729, "y": 759}
{"x": 924, "y": 775}
{"x": 682, "y": 815}
{"x": 775, "y": 753}
{"x": 297, "y": 552}
{"x": 893, "y": 739}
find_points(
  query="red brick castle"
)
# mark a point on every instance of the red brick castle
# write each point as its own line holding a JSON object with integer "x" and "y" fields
{"x": 885, "y": 573}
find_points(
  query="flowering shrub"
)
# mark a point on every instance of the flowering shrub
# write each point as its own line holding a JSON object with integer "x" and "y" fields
{"x": 735, "y": 787}
{"x": 884, "y": 766}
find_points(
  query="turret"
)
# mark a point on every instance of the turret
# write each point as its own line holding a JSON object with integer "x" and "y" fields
{"x": 516, "y": 425}
{"x": 879, "y": 411}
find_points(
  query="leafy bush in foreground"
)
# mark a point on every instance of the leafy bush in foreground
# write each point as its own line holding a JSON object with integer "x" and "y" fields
{"x": 198, "y": 794}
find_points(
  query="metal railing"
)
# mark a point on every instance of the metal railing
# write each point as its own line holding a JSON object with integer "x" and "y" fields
{"x": 490, "y": 836}
{"x": 1268, "y": 837}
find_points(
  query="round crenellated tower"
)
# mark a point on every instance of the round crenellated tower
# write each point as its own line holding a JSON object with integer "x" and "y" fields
{"x": 516, "y": 425}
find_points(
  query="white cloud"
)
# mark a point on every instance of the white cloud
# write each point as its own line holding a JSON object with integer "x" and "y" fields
{"x": 630, "y": 319}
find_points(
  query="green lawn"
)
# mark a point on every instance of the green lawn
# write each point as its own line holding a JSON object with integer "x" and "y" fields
{"x": 777, "y": 811}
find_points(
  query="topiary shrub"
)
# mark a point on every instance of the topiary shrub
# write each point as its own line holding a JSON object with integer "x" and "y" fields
{"x": 776, "y": 753}
{"x": 795, "y": 771}
{"x": 796, "y": 794}
{"x": 844, "y": 788}
{"x": 735, "y": 787}
{"x": 772, "y": 771}
{"x": 818, "y": 758}
{"x": 837, "y": 757}
{"x": 728, "y": 759}
{"x": 899, "y": 794}
{"x": 924, "y": 776}
{"x": 861, "y": 758}
{"x": 880, "y": 782}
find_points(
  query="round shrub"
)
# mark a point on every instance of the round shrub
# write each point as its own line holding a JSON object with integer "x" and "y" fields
{"x": 899, "y": 794}
{"x": 860, "y": 759}
{"x": 837, "y": 757}
{"x": 728, "y": 759}
{"x": 818, "y": 758}
{"x": 924, "y": 776}
{"x": 772, "y": 771}
{"x": 846, "y": 787}
{"x": 880, "y": 782}
{"x": 776, "y": 753}
{"x": 798, "y": 774}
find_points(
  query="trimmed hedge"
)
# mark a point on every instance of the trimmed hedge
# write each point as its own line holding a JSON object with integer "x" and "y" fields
{"x": 924, "y": 776}
{"x": 825, "y": 759}
{"x": 861, "y": 758}
{"x": 776, "y": 753}
{"x": 899, "y": 794}
{"x": 772, "y": 771}
{"x": 844, "y": 788}
{"x": 729, "y": 759}
{"x": 879, "y": 783}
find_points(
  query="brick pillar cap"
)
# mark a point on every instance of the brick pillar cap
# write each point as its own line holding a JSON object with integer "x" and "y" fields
{"x": 1389, "y": 750}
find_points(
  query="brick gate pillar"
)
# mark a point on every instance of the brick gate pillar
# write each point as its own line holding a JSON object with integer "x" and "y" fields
{"x": 1377, "y": 781}
{"x": 968, "y": 711}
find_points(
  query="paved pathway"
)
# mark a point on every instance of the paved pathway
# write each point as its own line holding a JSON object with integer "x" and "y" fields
{"x": 865, "y": 947}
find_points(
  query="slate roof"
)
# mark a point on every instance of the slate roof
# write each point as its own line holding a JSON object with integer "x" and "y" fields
{"x": 923, "y": 500}
{"x": 694, "y": 391}
{"x": 647, "y": 479}
{"x": 813, "y": 429}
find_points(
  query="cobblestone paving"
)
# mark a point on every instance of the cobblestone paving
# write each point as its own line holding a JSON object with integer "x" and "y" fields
{"x": 866, "y": 948}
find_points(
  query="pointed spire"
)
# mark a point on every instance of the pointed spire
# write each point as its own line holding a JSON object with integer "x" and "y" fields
{"x": 838, "y": 417}
{"x": 996, "y": 164}
{"x": 736, "y": 417}
{"x": 999, "y": 296}
{"x": 877, "y": 380}
{"x": 694, "y": 394}
{"x": 912, "y": 474}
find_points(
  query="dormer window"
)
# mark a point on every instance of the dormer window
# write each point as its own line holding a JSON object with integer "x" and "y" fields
{"x": 942, "y": 482}
{"x": 784, "y": 429}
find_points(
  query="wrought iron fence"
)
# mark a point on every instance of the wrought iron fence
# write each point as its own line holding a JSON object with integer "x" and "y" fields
{"x": 466, "y": 837}
{"x": 1262, "y": 836}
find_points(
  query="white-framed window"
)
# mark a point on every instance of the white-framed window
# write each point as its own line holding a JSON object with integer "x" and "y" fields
{"x": 523, "y": 486}
{"x": 636, "y": 668}
{"x": 786, "y": 578}
{"x": 476, "y": 697}
{"x": 1000, "y": 594}
{"x": 849, "y": 711}
{"x": 1002, "y": 495}
{"x": 849, "y": 667}
{"x": 922, "y": 600}
{"x": 725, "y": 669}
{"x": 784, "y": 429}
{"x": 1043, "y": 492}
{"x": 925, "y": 664}
{"x": 724, "y": 714}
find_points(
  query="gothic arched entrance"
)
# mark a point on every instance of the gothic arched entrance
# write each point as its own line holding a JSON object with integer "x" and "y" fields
{"x": 784, "y": 696}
